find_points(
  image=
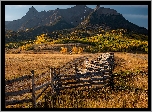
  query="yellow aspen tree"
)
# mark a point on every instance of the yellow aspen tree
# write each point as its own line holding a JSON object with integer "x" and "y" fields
{"x": 63, "y": 50}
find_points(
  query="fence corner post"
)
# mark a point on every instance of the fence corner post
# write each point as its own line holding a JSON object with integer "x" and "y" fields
{"x": 33, "y": 91}
{"x": 52, "y": 76}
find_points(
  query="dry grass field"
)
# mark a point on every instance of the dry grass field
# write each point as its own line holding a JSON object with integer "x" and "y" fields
{"x": 134, "y": 65}
{"x": 20, "y": 64}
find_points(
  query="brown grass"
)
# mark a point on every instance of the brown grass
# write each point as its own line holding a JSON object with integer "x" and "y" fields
{"x": 129, "y": 61}
{"x": 100, "y": 99}
{"x": 20, "y": 64}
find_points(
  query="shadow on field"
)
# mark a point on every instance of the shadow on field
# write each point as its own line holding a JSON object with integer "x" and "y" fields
{"x": 123, "y": 95}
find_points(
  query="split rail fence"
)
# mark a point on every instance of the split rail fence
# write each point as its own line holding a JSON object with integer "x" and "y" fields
{"x": 94, "y": 73}
{"x": 97, "y": 73}
{"x": 31, "y": 90}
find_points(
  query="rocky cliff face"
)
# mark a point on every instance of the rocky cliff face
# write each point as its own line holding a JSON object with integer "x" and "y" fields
{"x": 74, "y": 16}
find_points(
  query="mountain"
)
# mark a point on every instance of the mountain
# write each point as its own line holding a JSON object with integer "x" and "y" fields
{"x": 113, "y": 20}
{"x": 34, "y": 19}
{"x": 80, "y": 16}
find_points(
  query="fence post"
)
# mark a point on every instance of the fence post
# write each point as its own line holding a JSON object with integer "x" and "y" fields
{"x": 112, "y": 82}
{"x": 52, "y": 85}
{"x": 51, "y": 79}
{"x": 58, "y": 83}
{"x": 33, "y": 91}
{"x": 76, "y": 69}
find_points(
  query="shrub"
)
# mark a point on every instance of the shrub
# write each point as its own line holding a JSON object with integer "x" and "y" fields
{"x": 63, "y": 50}
{"x": 26, "y": 47}
{"x": 40, "y": 39}
{"x": 75, "y": 50}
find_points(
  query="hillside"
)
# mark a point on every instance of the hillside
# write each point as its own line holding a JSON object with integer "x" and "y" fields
{"x": 110, "y": 19}
{"x": 108, "y": 42}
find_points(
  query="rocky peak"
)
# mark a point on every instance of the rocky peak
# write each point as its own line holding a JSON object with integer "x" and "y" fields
{"x": 32, "y": 11}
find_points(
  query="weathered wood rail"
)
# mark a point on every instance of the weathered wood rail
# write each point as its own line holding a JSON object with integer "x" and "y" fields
{"x": 30, "y": 90}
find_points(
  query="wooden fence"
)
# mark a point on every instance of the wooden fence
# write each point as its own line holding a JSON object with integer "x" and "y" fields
{"x": 98, "y": 72}
{"x": 29, "y": 90}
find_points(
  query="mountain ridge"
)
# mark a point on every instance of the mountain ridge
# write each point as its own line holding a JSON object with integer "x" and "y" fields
{"x": 79, "y": 16}
{"x": 73, "y": 15}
